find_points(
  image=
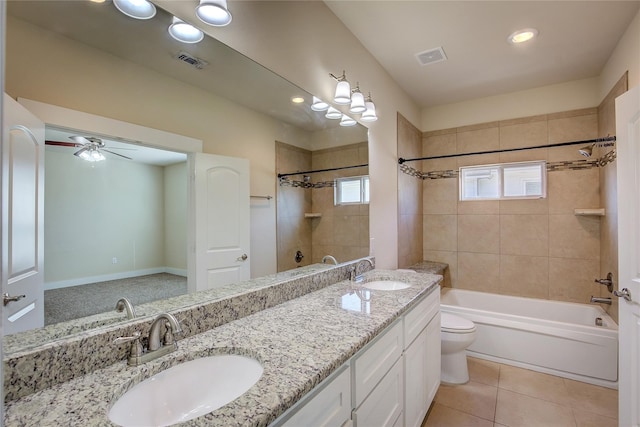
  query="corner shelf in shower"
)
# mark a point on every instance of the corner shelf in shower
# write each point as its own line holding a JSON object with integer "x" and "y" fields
{"x": 589, "y": 212}
{"x": 312, "y": 215}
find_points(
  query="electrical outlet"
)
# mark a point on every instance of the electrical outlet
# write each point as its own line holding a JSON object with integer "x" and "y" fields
{"x": 114, "y": 260}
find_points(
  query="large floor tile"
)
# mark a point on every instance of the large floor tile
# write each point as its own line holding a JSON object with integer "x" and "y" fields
{"x": 518, "y": 410}
{"x": 589, "y": 419}
{"x": 591, "y": 398}
{"x": 473, "y": 398}
{"x": 443, "y": 416}
{"x": 483, "y": 371}
{"x": 534, "y": 384}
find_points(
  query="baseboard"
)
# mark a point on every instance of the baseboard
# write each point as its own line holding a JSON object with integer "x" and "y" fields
{"x": 116, "y": 276}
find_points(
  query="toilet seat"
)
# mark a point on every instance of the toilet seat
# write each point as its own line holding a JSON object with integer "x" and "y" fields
{"x": 456, "y": 325}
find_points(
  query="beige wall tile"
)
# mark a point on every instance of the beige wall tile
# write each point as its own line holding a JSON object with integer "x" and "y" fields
{"x": 573, "y": 279}
{"x": 479, "y": 159}
{"x": 525, "y": 155}
{"x": 573, "y": 189}
{"x": 528, "y": 206}
{"x": 478, "y": 207}
{"x": 440, "y": 196}
{"x": 575, "y": 128}
{"x": 523, "y": 135}
{"x": 439, "y": 145}
{"x": 478, "y": 272}
{"x": 479, "y": 233}
{"x": 524, "y": 235}
{"x": 525, "y": 276}
{"x": 478, "y": 140}
{"x": 321, "y": 230}
{"x": 440, "y": 232}
{"x": 448, "y": 257}
{"x": 574, "y": 237}
{"x": 409, "y": 194}
{"x": 346, "y": 230}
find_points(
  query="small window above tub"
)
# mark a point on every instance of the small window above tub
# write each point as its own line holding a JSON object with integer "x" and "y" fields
{"x": 523, "y": 180}
{"x": 352, "y": 191}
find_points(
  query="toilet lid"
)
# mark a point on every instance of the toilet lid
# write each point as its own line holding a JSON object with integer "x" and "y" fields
{"x": 455, "y": 324}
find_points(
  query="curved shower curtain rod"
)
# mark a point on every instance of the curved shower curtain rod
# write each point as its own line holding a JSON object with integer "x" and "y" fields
{"x": 561, "y": 144}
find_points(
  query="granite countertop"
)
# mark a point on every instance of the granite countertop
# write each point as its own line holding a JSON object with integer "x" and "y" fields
{"x": 298, "y": 343}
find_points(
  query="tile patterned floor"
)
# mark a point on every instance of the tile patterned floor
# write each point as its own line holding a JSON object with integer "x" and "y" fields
{"x": 505, "y": 396}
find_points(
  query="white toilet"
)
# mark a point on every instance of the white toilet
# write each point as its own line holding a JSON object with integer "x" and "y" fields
{"x": 456, "y": 335}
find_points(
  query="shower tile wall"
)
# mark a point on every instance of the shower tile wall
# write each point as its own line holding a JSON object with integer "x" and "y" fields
{"x": 533, "y": 248}
{"x": 341, "y": 231}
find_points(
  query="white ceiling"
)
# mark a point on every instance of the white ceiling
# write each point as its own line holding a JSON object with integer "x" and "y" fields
{"x": 575, "y": 41}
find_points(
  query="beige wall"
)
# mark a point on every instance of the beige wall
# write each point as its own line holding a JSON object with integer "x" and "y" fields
{"x": 409, "y": 197}
{"x": 175, "y": 217}
{"x": 534, "y": 248}
{"x": 340, "y": 231}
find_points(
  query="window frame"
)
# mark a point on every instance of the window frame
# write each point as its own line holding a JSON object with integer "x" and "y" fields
{"x": 542, "y": 164}
{"x": 364, "y": 194}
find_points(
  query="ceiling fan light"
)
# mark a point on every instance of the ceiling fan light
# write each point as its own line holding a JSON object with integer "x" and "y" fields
{"x": 343, "y": 93}
{"x": 347, "y": 121}
{"x": 357, "y": 102}
{"x": 370, "y": 114}
{"x": 333, "y": 113}
{"x": 183, "y": 32}
{"x": 319, "y": 105}
{"x": 138, "y": 9}
{"x": 97, "y": 156}
{"x": 214, "y": 12}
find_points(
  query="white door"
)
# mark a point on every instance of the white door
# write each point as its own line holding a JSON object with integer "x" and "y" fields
{"x": 22, "y": 218}
{"x": 628, "y": 166}
{"x": 221, "y": 218}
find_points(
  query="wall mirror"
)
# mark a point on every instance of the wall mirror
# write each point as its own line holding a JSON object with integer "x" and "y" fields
{"x": 231, "y": 76}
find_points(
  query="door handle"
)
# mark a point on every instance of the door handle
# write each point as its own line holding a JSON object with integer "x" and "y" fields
{"x": 6, "y": 298}
{"x": 242, "y": 258}
{"x": 624, "y": 293}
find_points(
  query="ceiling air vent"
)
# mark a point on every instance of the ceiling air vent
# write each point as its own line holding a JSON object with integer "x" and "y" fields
{"x": 192, "y": 60}
{"x": 431, "y": 56}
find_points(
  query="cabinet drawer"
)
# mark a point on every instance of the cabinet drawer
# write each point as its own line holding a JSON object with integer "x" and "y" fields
{"x": 383, "y": 407}
{"x": 374, "y": 362}
{"x": 419, "y": 316}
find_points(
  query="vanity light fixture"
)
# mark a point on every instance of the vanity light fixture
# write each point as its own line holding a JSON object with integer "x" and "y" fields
{"x": 319, "y": 105}
{"x": 214, "y": 12}
{"x": 522, "y": 36}
{"x": 370, "y": 114}
{"x": 138, "y": 9}
{"x": 347, "y": 121}
{"x": 333, "y": 113}
{"x": 343, "y": 90}
{"x": 357, "y": 101}
{"x": 183, "y": 32}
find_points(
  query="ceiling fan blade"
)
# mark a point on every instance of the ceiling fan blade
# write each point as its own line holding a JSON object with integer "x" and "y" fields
{"x": 121, "y": 148}
{"x": 62, "y": 144}
{"x": 80, "y": 151}
{"x": 128, "y": 158}
{"x": 80, "y": 140}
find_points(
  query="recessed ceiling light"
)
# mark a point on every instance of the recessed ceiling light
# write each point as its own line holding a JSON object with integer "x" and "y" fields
{"x": 183, "y": 32}
{"x": 522, "y": 36}
{"x": 139, "y": 9}
{"x": 297, "y": 100}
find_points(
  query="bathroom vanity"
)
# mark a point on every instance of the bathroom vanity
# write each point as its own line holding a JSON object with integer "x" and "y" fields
{"x": 377, "y": 349}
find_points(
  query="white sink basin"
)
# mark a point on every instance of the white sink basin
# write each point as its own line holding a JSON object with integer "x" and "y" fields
{"x": 386, "y": 285}
{"x": 186, "y": 391}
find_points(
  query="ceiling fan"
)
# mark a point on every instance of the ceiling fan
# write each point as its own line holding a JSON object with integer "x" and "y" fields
{"x": 91, "y": 148}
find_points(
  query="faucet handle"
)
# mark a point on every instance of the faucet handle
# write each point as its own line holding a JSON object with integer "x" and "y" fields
{"x": 123, "y": 340}
{"x": 136, "y": 349}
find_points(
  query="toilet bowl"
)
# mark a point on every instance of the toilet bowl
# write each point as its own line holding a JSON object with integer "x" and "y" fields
{"x": 456, "y": 334}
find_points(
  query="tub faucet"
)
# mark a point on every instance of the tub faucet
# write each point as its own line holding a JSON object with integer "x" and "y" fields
{"x": 608, "y": 282}
{"x": 600, "y": 300}
{"x": 330, "y": 258}
{"x": 123, "y": 304}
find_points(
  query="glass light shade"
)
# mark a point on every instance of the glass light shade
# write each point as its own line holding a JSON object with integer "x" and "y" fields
{"x": 347, "y": 121}
{"x": 214, "y": 12}
{"x": 319, "y": 105}
{"x": 343, "y": 93}
{"x": 97, "y": 156}
{"x": 138, "y": 9}
{"x": 370, "y": 114}
{"x": 183, "y": 32}
{"x": 357, "y": 103}
{"x": 333, "y": 113}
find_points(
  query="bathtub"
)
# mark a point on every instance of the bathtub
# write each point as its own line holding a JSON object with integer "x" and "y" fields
{"x": 553, "y": 337}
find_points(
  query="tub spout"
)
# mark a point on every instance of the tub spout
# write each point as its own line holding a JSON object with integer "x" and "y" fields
{"x": 600, "y": 300}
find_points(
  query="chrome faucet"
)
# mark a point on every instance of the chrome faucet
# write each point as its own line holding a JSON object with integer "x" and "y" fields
{"x": 158, "y": 346}
{"x": 600, "y": 300}
{"x": 608, "y": 282}
{"x": 353, "y": 276}
{"x": 123, "y": 304}
{"x": 330, "y": 258}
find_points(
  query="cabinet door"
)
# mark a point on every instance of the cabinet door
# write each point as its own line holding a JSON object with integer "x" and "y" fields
{"x": 415, "y": 395}
{"x": 432, "y": 359}
{"x": 383, "y": 407}
{"x": 330, "y": 406}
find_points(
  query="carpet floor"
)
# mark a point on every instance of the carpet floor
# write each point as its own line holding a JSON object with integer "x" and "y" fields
{"x": 85, "y": 300}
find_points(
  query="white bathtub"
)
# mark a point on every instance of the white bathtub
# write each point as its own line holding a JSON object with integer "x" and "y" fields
{"x": 558, "y": 338}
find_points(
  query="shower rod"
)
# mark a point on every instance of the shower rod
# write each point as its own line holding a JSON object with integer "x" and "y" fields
{"x": 561, "y": 144}
{"x": 281, "y": 175}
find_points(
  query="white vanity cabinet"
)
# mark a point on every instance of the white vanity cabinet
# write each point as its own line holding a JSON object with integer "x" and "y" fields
{"x": 421, "y": 358}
